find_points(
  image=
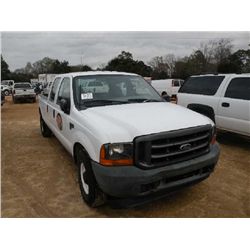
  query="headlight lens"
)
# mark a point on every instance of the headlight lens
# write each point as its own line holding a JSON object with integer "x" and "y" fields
{"x": 116, "y": 154}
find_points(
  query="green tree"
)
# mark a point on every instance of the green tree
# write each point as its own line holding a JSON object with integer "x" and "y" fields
{"x": 238, "y": 62}
{"x": 5, "y": 72}
{"x": 160, "y": 67}
{"x": 79, "y": 68}
{"x": 124, "y": 62}
{"x": 58, "y": 67}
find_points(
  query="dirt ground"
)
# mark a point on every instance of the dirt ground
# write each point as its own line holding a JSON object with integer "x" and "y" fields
{"x": 39, "y": 177}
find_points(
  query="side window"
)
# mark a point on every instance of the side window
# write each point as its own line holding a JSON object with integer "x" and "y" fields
{"x": 202, "y": 85}
{"x": 64, "y": 90}
{"x": 175, "y": 83}
{"x": 53, "y": 89}
{"x": 239, "y": 88}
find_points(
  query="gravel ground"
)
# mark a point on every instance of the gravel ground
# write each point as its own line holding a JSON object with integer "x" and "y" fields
{"x": 39, "y": 177}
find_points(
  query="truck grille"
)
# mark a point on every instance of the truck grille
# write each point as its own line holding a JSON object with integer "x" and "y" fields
{"x": 162, "y": 149}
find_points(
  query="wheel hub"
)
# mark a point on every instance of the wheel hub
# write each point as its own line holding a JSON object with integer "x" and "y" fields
{"x": 84, "y": 184}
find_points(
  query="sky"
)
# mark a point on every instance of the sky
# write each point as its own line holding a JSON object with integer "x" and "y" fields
{"x": 97, "y": 48}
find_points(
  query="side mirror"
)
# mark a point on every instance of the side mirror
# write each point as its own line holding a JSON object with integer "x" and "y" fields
{"x": 64, "y": 105}
{"x": 166, "y": 98}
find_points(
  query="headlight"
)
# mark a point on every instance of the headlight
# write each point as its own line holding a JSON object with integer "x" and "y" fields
{"x": 213, "y": 138}
{"x": 116, "y": 154}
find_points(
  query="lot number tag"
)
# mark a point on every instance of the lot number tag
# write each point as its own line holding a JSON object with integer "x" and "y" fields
{"x": 86, "y": 96}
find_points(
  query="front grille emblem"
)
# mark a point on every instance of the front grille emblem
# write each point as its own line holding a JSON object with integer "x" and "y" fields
{"x": 185, "y": 146}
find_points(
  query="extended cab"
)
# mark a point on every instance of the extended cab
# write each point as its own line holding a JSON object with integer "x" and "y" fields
{"x": 23, "y": 91}
{"x": 126, "y": 140}
{"x": 224, "y": 98}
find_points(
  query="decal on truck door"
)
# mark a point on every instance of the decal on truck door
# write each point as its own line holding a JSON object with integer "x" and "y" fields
{"x": 59, "y": 121}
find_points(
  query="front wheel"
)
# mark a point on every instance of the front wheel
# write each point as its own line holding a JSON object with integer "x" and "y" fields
{"x": 91, "y": 194}
{"x": 45, "y": 130}
{"x": 6, "y": 92}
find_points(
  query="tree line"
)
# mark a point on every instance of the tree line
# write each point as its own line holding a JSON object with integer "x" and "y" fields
{"x": 215, "y": 56}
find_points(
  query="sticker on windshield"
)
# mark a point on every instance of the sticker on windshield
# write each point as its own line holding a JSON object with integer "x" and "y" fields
{"x": 86, "y": 96}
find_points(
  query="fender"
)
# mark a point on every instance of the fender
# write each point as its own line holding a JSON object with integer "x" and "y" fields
{"x": 202, "y": 109}
{"x": 90, "y": 145}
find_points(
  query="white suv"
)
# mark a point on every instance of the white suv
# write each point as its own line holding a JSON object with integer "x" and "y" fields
{"x": 224, "y": 98}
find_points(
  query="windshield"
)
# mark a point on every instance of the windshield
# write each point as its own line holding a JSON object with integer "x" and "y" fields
{"x": 22, "y": 86}
{"x": 99, "y": 90}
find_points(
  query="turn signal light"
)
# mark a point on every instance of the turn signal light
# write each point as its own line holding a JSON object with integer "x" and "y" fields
{"x": 105, "y": 161}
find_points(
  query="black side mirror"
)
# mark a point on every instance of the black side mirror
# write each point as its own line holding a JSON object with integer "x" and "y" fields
{"x": 64, "y": 105}
{"x": 166, "y": 98}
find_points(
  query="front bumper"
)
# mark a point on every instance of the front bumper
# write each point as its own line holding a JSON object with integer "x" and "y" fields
{"x": 131, "y": 181}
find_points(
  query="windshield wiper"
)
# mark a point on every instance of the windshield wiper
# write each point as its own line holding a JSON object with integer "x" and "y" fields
{"x": 143, "y": 100}
{"x": 92, "y": 103}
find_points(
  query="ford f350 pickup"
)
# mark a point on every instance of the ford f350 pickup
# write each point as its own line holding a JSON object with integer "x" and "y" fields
{"x": 125, "y": 139}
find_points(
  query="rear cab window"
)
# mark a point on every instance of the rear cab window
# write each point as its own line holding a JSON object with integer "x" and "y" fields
{"x": 64, "y": 90}
{"x": 22, "y": 86}
{"x": 202, "y": 85}
{"x": 239, "y": 88}
{"x": 54, "y": 89}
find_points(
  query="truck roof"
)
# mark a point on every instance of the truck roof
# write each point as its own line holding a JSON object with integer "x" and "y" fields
{"x": 221, "y": 74}
{"x": 90, "y": 73}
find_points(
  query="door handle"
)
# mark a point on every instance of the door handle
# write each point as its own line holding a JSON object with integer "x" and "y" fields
{"x": 71, "y": 125}
{"x": 225, "y": 104}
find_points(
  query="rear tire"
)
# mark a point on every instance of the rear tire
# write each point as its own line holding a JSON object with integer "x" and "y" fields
{"x": 90, "y": 192}
{"x": 6, "y": 92}
{"x": 45, "y": 130}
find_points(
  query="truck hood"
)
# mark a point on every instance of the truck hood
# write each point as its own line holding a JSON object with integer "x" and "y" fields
{"x": 122, "y": 123}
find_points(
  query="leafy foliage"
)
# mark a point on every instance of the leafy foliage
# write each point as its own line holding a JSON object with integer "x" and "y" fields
{"x": 124, "y": 62}
{"x": 5, "y": 72}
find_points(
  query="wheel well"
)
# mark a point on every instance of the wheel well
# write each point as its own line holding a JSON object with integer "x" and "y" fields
{"x": 76, "y": 147}
{"x": 203, "y": 109}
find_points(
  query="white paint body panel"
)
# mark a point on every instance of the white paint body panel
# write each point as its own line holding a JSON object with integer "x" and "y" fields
{"x": 166, "y": 86}
{"x": 235, "y": 118}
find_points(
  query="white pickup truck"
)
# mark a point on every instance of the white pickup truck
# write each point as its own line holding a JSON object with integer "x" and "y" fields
{"x": 23, "y": 91}
{"x": 224, "y": 98}
{"x": 167, "y": 86}
{"x": 126, "y": 140}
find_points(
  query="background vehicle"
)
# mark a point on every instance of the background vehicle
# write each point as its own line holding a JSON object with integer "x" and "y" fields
{"x": 224, "y": 98}
{"x": 23, "y": 91}
{"x": 46, "y": 79}
{"x": 47, "y": 89}
{"x": 123, "y": 144}
{"x": 9, "y": 83}
{"x": 5, "y": 89}
{"x": 167, "y": 86}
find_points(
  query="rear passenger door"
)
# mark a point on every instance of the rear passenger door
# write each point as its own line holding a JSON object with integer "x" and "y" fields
{"x": 234, "y": 106}
{"x": 50, "y": 109}
{"x": 62, "y": 120}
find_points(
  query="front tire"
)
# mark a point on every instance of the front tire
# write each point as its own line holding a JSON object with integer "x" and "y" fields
{"x": 90, "y": 192}
{"x": 45, "y": 130}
